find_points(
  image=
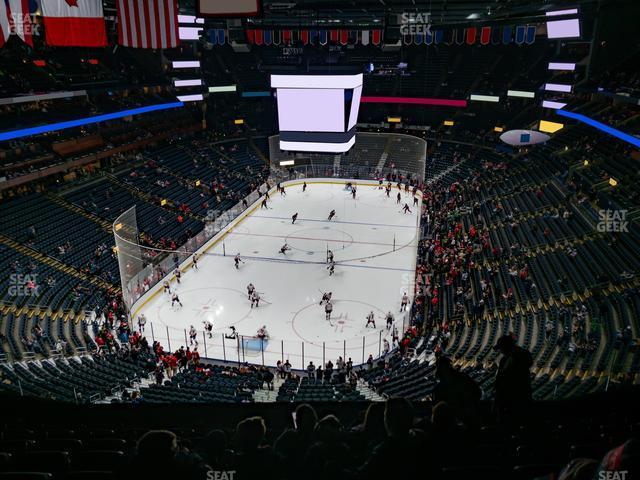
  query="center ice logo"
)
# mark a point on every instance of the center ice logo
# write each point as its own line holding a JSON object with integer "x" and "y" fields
{"x": 341, "y": 322}
{"x": 205, "y": 308}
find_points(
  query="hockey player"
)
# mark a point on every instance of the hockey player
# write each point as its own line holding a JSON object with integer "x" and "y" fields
{"x": 294, "y": 217}
{"x": 330, "y": 256}
{"x": 284, "y": 248}
{"x": 387, "y": 190}
{"x": 178, "y": 274}
{"x": 398, "y": 197}
{"x": 264, "y": 204}
{"x": 237, "y": 260}
{"x": 331, "y": 268}
{"x": 371, "y": 320}
{"x": 304, "y": 187}
{"x": 174, "y": 299}
{"x": 193, "y": 336}
{"x": 167, "y": 286}
{"x": 282, "y": 192}
{"x": 415, "y": 201}
{"x": 208, "y": 326}
{"x": 250, "y": 290}
{"x": 194, "y": 260}
{"x": 278, "y": 187}
{"x": 389, "y": 320}
{"x": 332, "y": 214}
{"x": 404, "y": 302}
{"x": 255, "y": 299}
{"x": 262, "y": 332}
{"x": 380, "y": 184}
{"x": 142, "y": 321}
{"x": 328, "y": 308}
{"x": 353, "y": 192}
{"x": 326, "y": 297}
{"x": 233, "y": 335}
{"x": 406, "y": 208}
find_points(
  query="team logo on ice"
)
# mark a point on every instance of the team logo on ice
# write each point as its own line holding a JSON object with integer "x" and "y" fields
{"x": 341, "y": 322}
{"x": 205, "y": 308}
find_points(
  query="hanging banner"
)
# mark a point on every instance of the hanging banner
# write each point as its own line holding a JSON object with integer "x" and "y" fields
{"x": 323, "y": 37}
{"x": 251, "y": 36}
{"x": 485, "y": 35}
{"x": 304, "y": 37}
{"x": 259, "y": 37}
{"x": 365, "y": 37}
{"x": 459, "y": 36}
{"x": 376, "y": 37}
{"x": 506, "y": 34}
{"x": 428, "y": 37}
{"x": 268, "y": 36}
{"x": 344, "y": 37}
{"x": 496, "y": 36}
{"x": 520, "y": 32}
{"x": 449, "y": 37}
{"x": 471, "y": 35}
{"x": 531, "y": 34}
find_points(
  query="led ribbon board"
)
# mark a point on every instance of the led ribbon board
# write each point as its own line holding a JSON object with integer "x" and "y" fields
{"x": 601, "y": 126}
{"x": 54, "y": 127}
{"x": 441, "y": 102}
{"x": 317, "y": 113}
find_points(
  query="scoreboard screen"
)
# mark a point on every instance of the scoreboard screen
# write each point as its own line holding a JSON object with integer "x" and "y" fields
{"x": 317, "y": 113}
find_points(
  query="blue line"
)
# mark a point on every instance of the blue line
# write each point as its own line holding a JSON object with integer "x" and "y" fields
{"x": 601, "y": 126}
{"x": 53, "y": 127}
{"x": 336, "y": 221}
{"x": 309, "y": 262}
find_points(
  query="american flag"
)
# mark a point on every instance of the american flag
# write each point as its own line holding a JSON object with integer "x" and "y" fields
{"x": 15, "y": 18}
{"x": 145, "y": 24}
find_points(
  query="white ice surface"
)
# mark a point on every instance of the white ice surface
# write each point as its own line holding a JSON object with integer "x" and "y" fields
{"x": 369, "y": 275}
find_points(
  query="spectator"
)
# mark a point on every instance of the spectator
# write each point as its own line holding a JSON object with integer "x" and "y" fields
{"x": 513, "y": 380}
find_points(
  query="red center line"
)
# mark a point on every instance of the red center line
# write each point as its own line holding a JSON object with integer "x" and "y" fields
{"x": 310, "y": 238}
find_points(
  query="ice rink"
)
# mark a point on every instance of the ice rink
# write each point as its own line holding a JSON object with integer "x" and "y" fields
{"x": 374, "y": 244}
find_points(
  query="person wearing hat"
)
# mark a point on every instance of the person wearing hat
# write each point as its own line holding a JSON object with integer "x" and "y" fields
{"x": 513, "y": 380}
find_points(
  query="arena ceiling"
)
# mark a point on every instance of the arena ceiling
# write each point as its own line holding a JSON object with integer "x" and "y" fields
{"x": 442, "y": 11}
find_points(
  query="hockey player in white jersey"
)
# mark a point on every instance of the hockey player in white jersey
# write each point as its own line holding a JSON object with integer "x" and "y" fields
{"x": 404, "y": 302}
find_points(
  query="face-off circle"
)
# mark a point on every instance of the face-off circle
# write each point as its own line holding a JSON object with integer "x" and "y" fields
{"x": 316, "y": 240}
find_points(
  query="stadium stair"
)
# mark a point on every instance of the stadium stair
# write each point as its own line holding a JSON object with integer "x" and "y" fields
{"x": 74, "y": 208}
